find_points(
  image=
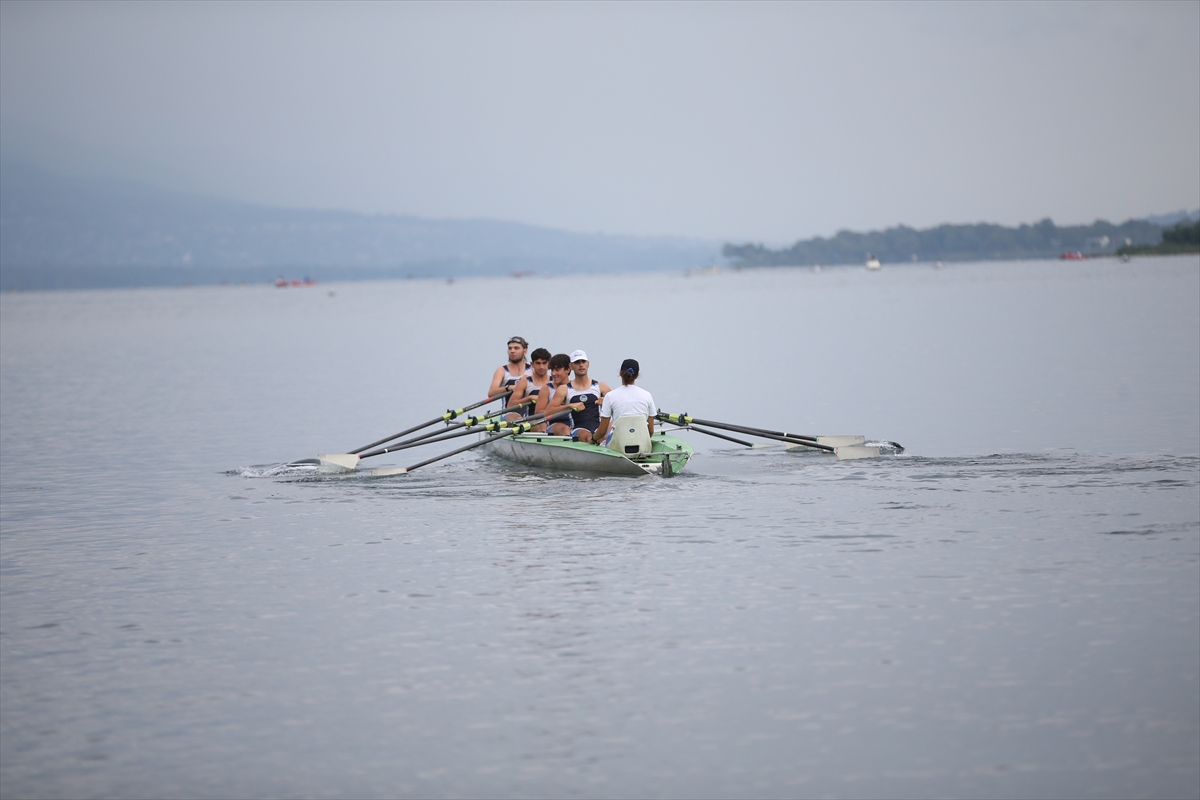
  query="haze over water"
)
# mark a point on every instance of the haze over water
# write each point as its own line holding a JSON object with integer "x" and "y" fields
{"x": 1009, "y": 608}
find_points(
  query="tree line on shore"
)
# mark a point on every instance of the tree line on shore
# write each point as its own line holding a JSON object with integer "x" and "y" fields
{"x": 1181, "y": 238}
{"x": 975, "y": 242}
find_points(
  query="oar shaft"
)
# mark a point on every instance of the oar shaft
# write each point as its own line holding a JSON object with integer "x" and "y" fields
{"x": 449, "y": 415}
{"x": 524, "y": 424}
{"x": 718, "y": 435}
{"x": 752, "y": 430}
{"x": 782, "y": 433}
{"x": 779, "y": 437}
{"x": 471, "y": 446}
{"x": 398, "y": 446}
{"x": 472, "y": 421}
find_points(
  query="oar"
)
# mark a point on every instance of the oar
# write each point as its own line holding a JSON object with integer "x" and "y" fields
{"x": 836, "y": 442}
{"x": 469, "y": 428}
{"x": 520, "y": 427}
{"x": 398, "y": 446}
{"x": 349, "y": 460}
{"x": 449, "y": 415}
{"x": 843, "y": 452}
{"x": 471, "y": 446}
{"x": 714, "y": 433}
{"x": 684, "y": 419}
{"x": 470, "y": 421}
{"x": 832, "y": 441}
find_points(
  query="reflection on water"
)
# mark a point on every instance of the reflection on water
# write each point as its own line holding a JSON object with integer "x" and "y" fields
{"x": 977, "y": 618}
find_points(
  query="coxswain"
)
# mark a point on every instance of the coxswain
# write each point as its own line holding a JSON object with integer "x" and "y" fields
{"x": 505, "y": 377}
{"x": 625, "y": 400}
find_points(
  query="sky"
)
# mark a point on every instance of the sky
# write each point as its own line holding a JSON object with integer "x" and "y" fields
{"x": 743, "y": 121}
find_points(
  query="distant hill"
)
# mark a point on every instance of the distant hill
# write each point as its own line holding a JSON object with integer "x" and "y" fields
{"x": 60, "y": 232}
{"x": 956, "y": 243}
{"x": 1174, "y": 218}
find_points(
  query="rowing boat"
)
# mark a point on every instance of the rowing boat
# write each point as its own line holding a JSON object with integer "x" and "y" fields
{"x": 668, "y": 454}
{"x": 631, "y": 448}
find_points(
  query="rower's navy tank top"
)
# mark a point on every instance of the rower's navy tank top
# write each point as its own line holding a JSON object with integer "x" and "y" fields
{"x": 533, "y": 390}
{"x": 590, "y": 416}
{"x": 510, "y": 380}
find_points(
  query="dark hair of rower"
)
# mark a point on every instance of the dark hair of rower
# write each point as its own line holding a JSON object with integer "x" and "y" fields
{"x": 560, "y": 361}
{"x": 541, "y": 354}
{"x": 629, "y": 371}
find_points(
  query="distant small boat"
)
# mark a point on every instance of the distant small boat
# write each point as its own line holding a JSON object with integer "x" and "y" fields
{"x": 1072, "y": 255}
{"x": 283, "y": 283}
{"x": 873, "y": 262}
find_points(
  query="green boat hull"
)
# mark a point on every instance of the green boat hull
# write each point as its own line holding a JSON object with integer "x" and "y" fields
{"x": 670, "y": 455}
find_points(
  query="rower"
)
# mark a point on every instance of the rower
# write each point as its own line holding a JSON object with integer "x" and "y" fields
{"x": 531, "y": 384}
{"x": 517, "y": 367}
{"x": 554, "y": 398}
{"x": 584, "y": 397}
{"x": 625, "y": 400}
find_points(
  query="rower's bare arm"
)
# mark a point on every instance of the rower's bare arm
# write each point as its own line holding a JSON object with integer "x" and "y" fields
{"x": 497, "y": 383}
{"x": 543, "y": 400}
{"x": 518, "y": 391}
{"x": 604, "y": 389}
{"x": 558, "y": 402}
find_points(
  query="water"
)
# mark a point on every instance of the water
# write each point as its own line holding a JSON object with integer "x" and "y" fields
{"x": 1010, "y": 608}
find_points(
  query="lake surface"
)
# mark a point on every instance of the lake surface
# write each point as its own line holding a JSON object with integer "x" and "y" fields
{"x": 1009, "y": 608}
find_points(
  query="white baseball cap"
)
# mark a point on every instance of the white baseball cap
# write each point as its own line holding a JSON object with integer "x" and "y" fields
{"x": 578, "y": 355}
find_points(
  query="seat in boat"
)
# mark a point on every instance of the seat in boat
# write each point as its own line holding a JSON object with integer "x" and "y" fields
{"x": 631, "y": 436}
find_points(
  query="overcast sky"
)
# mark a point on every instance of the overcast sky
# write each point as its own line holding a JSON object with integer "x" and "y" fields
{"x": 742, "y": 121}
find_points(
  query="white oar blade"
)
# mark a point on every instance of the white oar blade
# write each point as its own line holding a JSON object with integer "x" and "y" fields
{"x": 385, "y": 471}
{"x": 833, "y": 441}
{"x": 841, "y": 441}
{"x": 794, "y": 446}
{"x": 338, "y": 460}
{"x": 855, "y": 451}
{"x": 762, "y": 445}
